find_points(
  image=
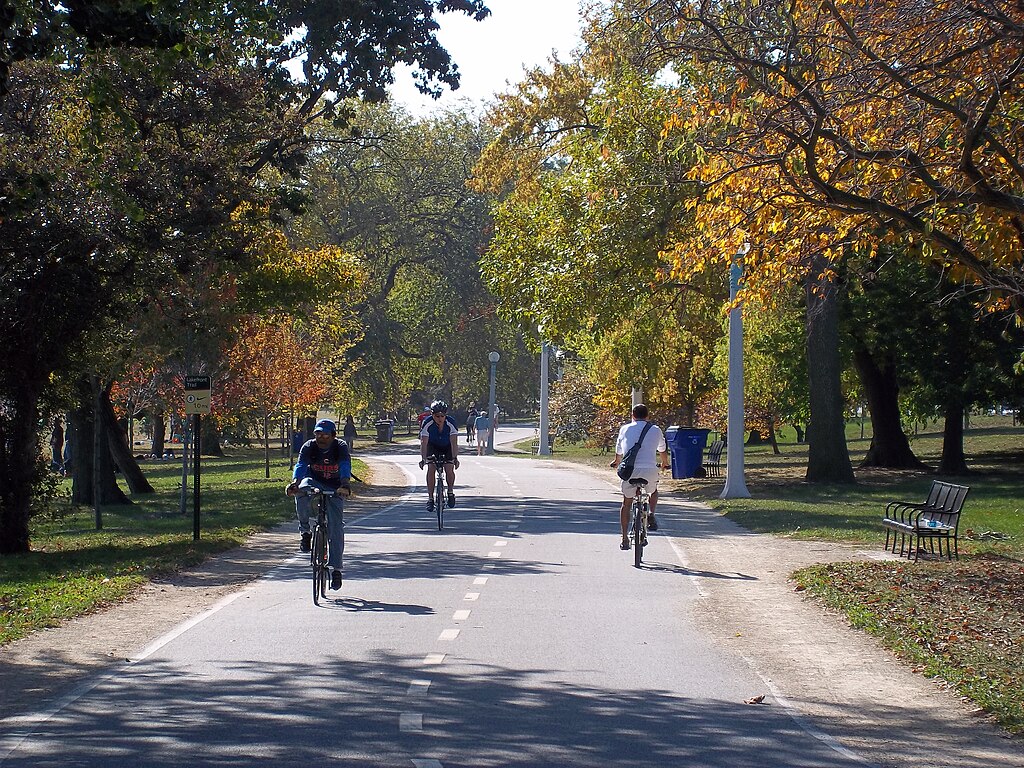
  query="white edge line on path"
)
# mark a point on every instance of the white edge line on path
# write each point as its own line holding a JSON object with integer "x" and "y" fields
{"x": 10, "y": 742}
{"x": 32, "y": 721}
{"x": 798, "y": 717}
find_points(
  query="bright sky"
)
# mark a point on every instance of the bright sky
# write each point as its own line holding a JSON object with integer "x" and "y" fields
{"x": 489, "y": 53}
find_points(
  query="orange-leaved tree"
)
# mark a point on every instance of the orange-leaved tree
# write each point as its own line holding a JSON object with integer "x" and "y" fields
{"x": 272, "y": 371}
{"x": 827, "y": 125}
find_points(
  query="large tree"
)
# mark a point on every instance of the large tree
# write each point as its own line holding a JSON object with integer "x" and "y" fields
{"x": 122, "y": 169}
{"x": 839, "y": 122}
{"x": 393, "y": 189}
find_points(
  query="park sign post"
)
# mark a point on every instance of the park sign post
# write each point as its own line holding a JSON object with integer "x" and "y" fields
{"x": 197, "y": 402}
{"x": 197, "y": 394}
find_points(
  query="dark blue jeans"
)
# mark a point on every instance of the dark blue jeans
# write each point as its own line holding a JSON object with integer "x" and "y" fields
{"x": 335, "y": 520}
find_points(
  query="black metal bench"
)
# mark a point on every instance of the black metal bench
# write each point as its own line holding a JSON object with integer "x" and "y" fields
{"x": 713, "y": 459}
{"x": 934, "y": 520}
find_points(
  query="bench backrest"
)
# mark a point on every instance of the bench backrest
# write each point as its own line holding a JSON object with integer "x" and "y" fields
{"x": 947, "y": 511}
{"x": 715, "y": 451}
{"x": 934, "y": 492}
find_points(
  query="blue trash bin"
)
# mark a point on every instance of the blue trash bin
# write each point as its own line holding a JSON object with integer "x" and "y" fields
{"x": 687, "y": 448}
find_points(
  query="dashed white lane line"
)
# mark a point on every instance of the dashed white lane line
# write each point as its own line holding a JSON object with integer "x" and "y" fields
{"x": 472, "y": 596}
{"x": 449, "y": 634}
{"x": 500, "y": 544}
{"x": 480, "y": 580}
{"x": 433, "y": 658}
{"x": 460, "y": 615}
{"x": 494, "y": 554}
{"x": 410, "y": 722}
{"x": 418, "y": 687}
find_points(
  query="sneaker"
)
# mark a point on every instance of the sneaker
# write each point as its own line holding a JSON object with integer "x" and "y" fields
{"x": 336, "y": 579}
{"x": 451, "y": 499}
{"x": 652, "y": 522}
{"x": 430, "y": 505}
{"x": 304, "y": 542}
{"x": 624, "y": 544}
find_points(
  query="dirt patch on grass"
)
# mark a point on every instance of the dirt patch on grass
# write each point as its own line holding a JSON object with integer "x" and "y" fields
{"x": 961, "y": 622}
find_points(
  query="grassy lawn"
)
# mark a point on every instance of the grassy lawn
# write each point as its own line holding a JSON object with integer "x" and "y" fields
{"x": 962, "y": 621}
{"x": 74, "y": 569}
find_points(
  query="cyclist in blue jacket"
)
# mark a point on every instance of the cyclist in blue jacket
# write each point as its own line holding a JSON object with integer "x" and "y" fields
{"x": 324, "y": 462}
{"x": 440, "y": 437}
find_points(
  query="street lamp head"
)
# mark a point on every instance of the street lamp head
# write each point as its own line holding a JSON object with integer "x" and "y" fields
{"x": 494, "y": 357}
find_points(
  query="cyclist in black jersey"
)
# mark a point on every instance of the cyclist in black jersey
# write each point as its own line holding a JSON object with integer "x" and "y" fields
{"x": 439, "y": 437}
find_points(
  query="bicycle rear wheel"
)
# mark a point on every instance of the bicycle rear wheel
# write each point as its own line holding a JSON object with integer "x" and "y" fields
{"x": 639, "y": 534}
{"x": 439, "y": 497}
{"x": 318, "y": 557}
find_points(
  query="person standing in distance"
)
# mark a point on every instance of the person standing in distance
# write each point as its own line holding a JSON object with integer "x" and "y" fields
{"x": 483, "y": 431}
{"x": 646, "y": 465}
{"x": 350, "y": 433}
{"x": 324, "y": 462}
{"x": 440, "y": 437}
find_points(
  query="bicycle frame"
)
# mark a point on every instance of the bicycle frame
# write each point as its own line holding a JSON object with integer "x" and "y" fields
{"x": 638, "y": 520}
{"x": 440, "y": 477}
{"x": 318, "y": 553}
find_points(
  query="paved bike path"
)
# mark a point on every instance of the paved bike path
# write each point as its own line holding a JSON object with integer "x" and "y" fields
{"x": 520, "y": 635}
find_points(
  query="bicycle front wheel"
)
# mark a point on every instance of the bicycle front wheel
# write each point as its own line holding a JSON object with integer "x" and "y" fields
{"x": 639, "y": 534}
{"x": 318, "y": 558}
{"x": 439, "y": 498}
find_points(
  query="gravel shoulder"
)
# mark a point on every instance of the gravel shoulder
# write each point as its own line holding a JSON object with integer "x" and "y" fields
{"x": 837, "y": 679}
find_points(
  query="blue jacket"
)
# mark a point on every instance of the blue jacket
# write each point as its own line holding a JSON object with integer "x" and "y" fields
{"x": 332, "y": 468}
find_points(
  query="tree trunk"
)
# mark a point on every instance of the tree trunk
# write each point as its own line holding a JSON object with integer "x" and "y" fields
{"x": 953, "y": 461}
{"x": 800, "y": 436}
{"x": 266, "y": 443}
{"x": 118, "y": 445}
{"x": 209, "y": 440}
{"x": 19, "y": 467}
{"x": 828, "y": 458}
{"x": 889, "y": 447}
{"x": 159, "y": 432}
{"x": 773, "y": 439}
{"x": 82, "y": 454}
{"x": 754, "y": 438}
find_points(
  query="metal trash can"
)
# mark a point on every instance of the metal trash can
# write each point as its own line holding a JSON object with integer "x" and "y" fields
{"x": 384, "y": 430}
{"x": 687, "y": 448}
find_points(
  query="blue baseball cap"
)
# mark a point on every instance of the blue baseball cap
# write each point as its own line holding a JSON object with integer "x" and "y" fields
{"x": 326, "y": 425}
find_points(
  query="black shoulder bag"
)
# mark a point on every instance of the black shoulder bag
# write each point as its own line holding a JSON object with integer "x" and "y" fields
{"x": 625, "y": 470}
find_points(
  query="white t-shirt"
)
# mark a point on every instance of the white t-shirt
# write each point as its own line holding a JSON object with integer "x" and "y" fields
{"x": 653, "y": 444}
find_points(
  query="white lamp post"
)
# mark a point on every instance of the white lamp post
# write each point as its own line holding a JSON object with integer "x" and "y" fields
{"x": 735, "y": 485}
{"x": 494, "y": 357}
{"x": 543, "y": 447}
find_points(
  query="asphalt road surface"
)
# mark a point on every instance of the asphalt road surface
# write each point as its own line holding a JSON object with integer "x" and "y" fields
{"x": 519, "y": 636}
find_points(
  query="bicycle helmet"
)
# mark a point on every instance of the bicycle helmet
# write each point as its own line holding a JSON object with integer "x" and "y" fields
{"x": 439, "y": 406}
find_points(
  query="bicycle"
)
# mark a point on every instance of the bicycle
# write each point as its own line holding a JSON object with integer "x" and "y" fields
{"x": 440, "y": 498}
{"x": 318, "y": 545}
{"x": 639, "y": 511}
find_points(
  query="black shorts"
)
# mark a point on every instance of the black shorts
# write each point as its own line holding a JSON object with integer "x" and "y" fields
{"x": 444, "y": 451}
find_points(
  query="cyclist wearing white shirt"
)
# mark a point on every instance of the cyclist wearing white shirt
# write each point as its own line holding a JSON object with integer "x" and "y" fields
{"x": 646, "y": 465}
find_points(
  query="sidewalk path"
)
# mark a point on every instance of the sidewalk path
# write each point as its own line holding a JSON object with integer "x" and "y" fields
{"x": 839, "y": 679}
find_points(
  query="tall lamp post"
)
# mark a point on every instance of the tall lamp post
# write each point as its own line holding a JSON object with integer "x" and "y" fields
{"x": 543, "y": 446}
{"x": 735, "y": 484}
{"x": 494, "y": 357}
